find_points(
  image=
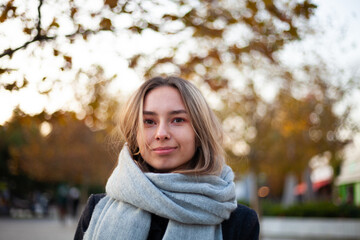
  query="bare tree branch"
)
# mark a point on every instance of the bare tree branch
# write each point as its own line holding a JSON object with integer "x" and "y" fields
{"x": 9, "y": 52}
{"x": 40, "y": 38}
{"x": 38, "y": 27}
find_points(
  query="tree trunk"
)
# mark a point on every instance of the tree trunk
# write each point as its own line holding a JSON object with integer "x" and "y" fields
{"x": 309, "y": 193}
{"x": 254, "y": 199}
{"x": 288, "y": 197}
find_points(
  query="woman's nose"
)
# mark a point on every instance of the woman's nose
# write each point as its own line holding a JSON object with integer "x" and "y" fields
{"x": 162, "y": 132}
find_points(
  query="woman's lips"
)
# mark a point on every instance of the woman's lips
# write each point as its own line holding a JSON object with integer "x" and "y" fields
{"x": 164, "y": 150}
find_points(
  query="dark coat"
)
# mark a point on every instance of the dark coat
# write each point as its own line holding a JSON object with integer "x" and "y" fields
{"x": 243, "y": 223}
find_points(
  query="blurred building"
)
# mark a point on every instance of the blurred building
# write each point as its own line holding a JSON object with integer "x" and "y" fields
{"x": 348, "y": 181}
{"x": 322, "y": 190}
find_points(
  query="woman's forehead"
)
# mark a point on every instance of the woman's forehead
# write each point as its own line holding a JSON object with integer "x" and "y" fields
{"x": 162, "y": 99}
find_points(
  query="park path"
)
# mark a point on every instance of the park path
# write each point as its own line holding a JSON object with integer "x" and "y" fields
{"x": 36, "y": 229}
{"x": 272, "y": 228}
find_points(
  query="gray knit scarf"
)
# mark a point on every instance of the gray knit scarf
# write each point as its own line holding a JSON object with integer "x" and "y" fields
{"x": 194, "y": 205}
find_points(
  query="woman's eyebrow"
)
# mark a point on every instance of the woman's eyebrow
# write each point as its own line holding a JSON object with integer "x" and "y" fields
{"x": 178, "y": 112}
{"x": 171, "y": 112}
{"x": 149, "y": 113}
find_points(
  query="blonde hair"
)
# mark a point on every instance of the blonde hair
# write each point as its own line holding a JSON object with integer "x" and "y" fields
{"x": 209, "y": 156}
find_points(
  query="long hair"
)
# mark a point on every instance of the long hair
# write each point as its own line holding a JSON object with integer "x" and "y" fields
{"x": 209, "y": 156}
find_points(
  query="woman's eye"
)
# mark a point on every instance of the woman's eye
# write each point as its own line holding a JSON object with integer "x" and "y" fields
{"x": 178, "y": 120}
{"x": 148, "y": 121}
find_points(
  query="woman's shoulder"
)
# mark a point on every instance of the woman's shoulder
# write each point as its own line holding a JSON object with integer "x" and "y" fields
{"x": 242, "y": 224}
{"x": 95, "y": 198}
{"x": 91, "y": 203}
{"x": 86, "y": 214}
{"x": 243, "y": 212}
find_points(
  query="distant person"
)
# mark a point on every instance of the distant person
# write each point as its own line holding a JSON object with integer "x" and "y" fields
{"x": 74, "y": 195}
{"x": 62, "y": 201}
{"x": 171, "y": 181}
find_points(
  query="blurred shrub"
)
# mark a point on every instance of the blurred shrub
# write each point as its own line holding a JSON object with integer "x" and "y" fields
{"x": 311, "y": 209}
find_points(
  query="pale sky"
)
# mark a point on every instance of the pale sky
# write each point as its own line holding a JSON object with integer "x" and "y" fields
{"x": 337, "y": 41}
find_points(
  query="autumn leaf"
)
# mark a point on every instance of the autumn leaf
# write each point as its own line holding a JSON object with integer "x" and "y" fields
{"x": 217, "y": 84}
{"x": 9, "y": 9}
{"x": 164, "y": 60}
{"x": 68, "y": 59}
{"x": 25, "y": 82}
{"x": 54, "y": 23}
{"x": 55, "y": 52}
{"x": 170, "y": 17}
{"x": 5, "y": 70}
{"x": 11, "y": 87}
{"x": 135, "y": 29}
{"x": 105, "y": 24}
{"x": 73, "y": 12}
{"x": 68, "y": 62}
{"x": 134, "y": 61}
{"x": 27, "y": 30}
{"x": 111, "y": 3}
{"x": 153, "y": 27}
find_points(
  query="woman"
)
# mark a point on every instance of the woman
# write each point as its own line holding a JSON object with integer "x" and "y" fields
{"x": 171, "y": 181}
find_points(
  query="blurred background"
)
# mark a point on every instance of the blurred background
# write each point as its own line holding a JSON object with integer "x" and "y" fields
{"x": 282, "y": 76}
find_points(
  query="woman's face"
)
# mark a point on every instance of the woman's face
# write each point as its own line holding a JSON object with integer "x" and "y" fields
{"x": 168, "y": 143}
